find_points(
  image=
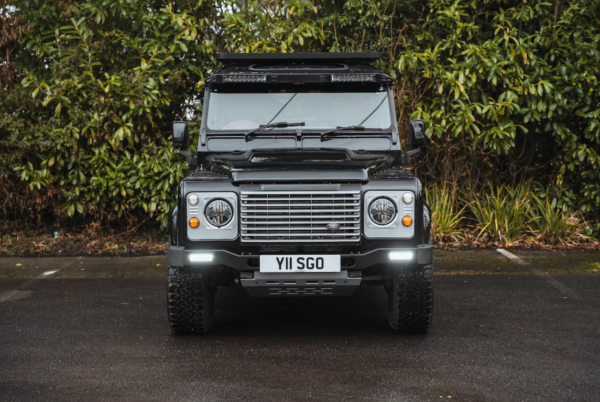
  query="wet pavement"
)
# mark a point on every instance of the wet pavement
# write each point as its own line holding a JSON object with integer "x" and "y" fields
{"x": 96, "y": 329}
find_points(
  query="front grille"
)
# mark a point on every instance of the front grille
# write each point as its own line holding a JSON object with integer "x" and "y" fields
{"x": 300, "y": 216}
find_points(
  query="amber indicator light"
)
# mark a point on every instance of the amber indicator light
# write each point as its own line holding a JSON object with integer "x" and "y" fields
{"x": 407, "y": 221}
{"x": 195, "y": 222}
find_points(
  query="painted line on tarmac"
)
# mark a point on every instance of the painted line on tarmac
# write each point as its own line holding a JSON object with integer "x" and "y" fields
{"x": 511, "y": 256}
{"x": 21, "y": 291}
{"x": 565, "y": 290}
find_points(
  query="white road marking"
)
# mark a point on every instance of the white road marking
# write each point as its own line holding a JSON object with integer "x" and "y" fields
{"x": 21, "y": 291}
{"x": 511, "y": 256}
{"x": 14, "y": 295}
{"x": 565, "y": 290}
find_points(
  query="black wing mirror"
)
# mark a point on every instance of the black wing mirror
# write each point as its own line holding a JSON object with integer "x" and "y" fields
{"x": 416, "y": 135}
{"x": 181, "y": 135}
{"x": 416, "y": 138}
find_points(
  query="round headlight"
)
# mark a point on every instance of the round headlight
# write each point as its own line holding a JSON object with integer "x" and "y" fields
{"x": 193, "y": 199}
{"x": 218, "y": 213}
{"x": 407, "y": 198}
{"x": 382, "y": 211}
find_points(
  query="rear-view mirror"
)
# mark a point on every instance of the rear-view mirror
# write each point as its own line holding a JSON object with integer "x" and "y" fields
{"x": 416, "y": 134}
{"x": 181, "y": 135}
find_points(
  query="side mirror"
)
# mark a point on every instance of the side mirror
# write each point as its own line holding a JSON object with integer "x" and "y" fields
{"x": 181, "y": 135}
{"x": 416, "y": 135}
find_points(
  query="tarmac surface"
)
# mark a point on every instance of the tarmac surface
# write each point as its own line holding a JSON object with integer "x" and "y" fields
{"x": 96, "y": 330}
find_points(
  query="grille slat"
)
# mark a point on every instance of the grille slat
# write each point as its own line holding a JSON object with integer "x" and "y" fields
{"x": 324, "y": 199}
{"x": 299, "y": 210}
{"x": 300, "y": 216}
{"x": 270, "y": 217}
{"x": 312, "y": 222}
{"x": 303, "y": 235}
{"x": 263, "y": 228}
{"x": 348, "y": 203}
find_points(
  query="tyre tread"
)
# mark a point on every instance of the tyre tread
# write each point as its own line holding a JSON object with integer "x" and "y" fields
{"x": 411, "y": 300}
{"x": 189, "y": 301}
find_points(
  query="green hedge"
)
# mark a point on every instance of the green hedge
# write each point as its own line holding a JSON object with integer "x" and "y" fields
{"x": 89, "y": 89}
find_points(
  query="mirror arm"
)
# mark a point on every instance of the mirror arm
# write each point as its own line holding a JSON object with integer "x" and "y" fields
{"x": 192, "y": 160}
{"x": 412, "y": 152}
{"x": 405, "y": 159}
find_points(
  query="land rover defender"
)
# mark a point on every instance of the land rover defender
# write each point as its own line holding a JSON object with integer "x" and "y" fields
{"x": 299, "y": 190}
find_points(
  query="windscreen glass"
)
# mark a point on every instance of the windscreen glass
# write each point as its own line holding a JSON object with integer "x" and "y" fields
{"x": 318, "y": 110}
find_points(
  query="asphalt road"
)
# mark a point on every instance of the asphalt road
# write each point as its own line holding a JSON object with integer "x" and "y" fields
{"x": 520, "y": 336}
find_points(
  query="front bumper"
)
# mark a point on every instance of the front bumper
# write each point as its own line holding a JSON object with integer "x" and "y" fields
{"x": 178, "y": 256}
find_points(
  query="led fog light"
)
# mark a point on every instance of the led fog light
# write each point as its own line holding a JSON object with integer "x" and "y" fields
{"x": 401, "y": 255}
{"x": 201, "y": 257}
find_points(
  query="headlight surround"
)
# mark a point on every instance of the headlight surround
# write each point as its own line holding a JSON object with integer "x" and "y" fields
{"x": 218, "y": 213}
{"x": 382, "y": 211}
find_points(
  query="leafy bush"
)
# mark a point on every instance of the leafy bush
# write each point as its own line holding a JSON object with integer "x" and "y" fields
{"x": 509, "y": 90}
{"x": 99, "y": 88}
{"x": 503, "y": 213}
{"x": 553, "y": 224}
{"x": 445, "y": 216}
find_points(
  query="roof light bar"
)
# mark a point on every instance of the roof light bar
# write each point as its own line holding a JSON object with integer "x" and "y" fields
{"x": 353, "y": 78}
{"x": 245, "y": 78}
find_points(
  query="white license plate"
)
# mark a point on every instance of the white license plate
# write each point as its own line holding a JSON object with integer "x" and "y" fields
{"x": 300, "y": 263}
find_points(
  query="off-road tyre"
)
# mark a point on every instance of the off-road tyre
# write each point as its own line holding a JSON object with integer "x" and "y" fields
{"x": 411, "y": 300}
{"x": 190, "y": 301}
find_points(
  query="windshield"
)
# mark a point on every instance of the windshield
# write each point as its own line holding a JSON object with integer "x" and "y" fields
{"x": 318, "y": 110}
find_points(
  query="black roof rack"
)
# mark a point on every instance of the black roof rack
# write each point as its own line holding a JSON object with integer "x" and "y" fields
{"x": 263, "y": 58}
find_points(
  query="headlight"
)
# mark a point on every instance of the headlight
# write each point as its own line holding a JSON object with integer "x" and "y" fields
{"x": 218, "y": 213}
{"x": 382, "y": 211}
{"x": 193, "y": 199}
{"x": 407, "y": 198}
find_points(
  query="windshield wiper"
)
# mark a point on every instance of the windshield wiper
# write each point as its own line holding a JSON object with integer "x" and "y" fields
{"x": 272, "y": 125}
{"x": 357, "y": 128}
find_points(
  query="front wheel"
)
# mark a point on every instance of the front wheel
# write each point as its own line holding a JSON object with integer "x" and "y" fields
{"x": 190, "y": 301}
{"x": 410, "y": 298}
